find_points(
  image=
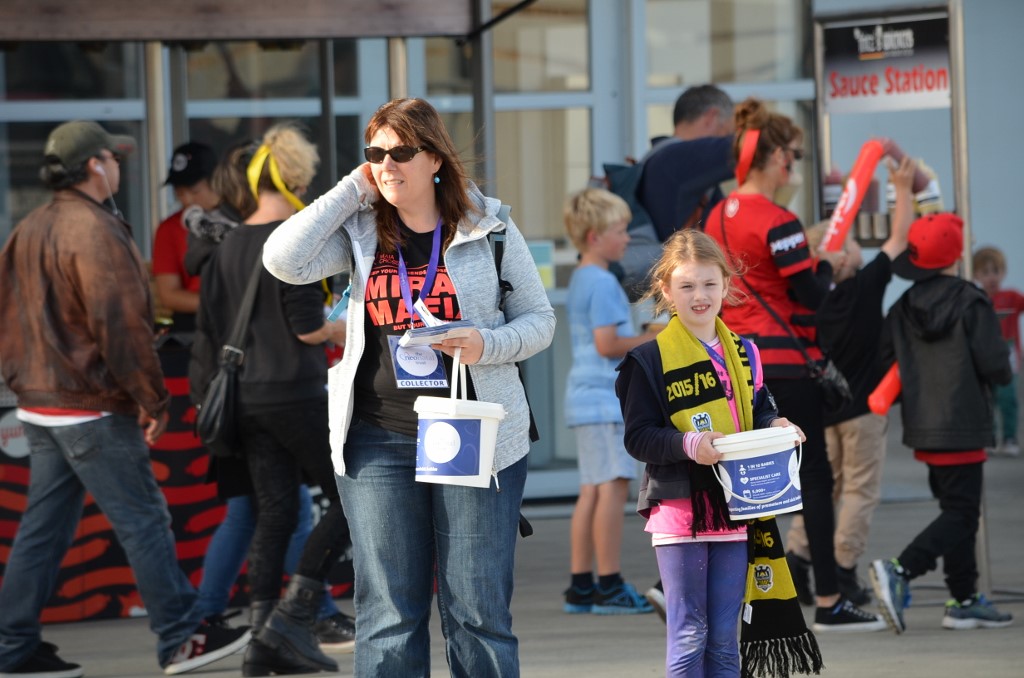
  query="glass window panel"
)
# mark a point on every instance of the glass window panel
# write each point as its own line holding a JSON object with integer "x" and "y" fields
{"x": 346, "y": 68}
{"x": 71, "y": 70}
{"x": 543, "y": 156}
{"x": 542, "y": 48}
{"x": 694, "y": 41}
{"x": 801, "y": 202}
{"x": 254, "y": 70}
{"x": 21, "y": 156}
{"x": 349, "y": 143}
{"x": 447, "y": 67}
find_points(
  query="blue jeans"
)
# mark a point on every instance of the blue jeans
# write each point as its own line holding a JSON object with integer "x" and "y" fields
{"x": 108, "y": 458}
{"x": 704, "y": 584}
{"x": 399, "y": 527}
{"x": 229, "y": 546}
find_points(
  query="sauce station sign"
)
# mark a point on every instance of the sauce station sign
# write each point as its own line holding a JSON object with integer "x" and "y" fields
{"x": 893, "y": 64}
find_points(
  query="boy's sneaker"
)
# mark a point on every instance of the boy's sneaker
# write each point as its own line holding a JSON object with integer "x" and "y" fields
{"x": 851, "y": 587}
{"x": 44, "y": 663}
{"x": 206, "y": 645}
{"x": 975, "y": 612}
{"x": 845, "y": 617}
{"x": 336, "y": 633}
{"x": 800, "y": 571}
{"x": 656, "y": 597}
{"x": 579, "y": 601}
{"x": 893, "y": 591}
{"x": 621, "y": 599}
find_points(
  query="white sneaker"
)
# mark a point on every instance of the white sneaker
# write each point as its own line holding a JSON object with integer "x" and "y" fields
{"x": 656, "y": 597}
{"x": 1009, "y": 448}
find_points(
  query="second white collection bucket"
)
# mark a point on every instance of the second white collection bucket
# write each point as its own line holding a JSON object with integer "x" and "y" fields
{"x": 455, "y": 437}
{"x": 760, "y": 472}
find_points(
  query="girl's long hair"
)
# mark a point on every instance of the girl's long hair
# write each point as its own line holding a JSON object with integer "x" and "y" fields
{"x": 685, "y": 246}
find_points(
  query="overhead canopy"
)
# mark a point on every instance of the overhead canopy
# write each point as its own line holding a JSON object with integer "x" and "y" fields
{"x": 187, "y": 20}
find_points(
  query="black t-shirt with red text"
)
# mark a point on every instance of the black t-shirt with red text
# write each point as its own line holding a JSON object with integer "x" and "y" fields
{"x": 377, "y": 398}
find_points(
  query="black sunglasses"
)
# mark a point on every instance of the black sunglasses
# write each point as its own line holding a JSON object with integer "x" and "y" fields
{"x": 375, "y": 154}
{"x": 798, "y": 153}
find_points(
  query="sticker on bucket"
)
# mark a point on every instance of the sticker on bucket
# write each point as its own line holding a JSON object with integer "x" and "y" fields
{"x": 455, "y": 437}
{"x": 760, "y": 472}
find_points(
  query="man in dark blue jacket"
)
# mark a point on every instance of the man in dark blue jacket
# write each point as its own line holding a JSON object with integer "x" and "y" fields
{"x": 679, "y": 185}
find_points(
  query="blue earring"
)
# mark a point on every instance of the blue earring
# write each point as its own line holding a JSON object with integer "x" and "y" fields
{"x": 437, "y": 179}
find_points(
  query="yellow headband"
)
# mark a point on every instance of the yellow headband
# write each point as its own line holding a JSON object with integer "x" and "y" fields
{"x": 255, "y": 169}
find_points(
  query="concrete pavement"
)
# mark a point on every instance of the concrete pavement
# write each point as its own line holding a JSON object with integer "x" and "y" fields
{"x": 556, "y": 645}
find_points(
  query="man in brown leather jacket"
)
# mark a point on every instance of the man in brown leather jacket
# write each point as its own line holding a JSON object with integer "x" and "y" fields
{"x": 77, "y": 349}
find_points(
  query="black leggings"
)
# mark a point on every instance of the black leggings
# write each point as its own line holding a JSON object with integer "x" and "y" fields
{"x": 279, "y": 447}
{"x": 799, "y": 400}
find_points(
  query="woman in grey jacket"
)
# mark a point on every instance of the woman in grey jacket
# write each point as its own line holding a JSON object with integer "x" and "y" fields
{"x": 405, "y": 222}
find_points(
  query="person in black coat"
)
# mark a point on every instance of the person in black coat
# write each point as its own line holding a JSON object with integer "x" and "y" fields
{"x": 944, "y": 335}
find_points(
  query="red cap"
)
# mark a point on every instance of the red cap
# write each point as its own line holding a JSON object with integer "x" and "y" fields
{"x": 935, "y": 242}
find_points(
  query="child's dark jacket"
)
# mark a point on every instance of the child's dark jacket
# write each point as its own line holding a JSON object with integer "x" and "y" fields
{"x": 945, "y": 337}
{"x": 651, "y": 437}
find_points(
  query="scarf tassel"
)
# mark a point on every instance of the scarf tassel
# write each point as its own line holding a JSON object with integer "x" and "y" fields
{"x": 781, "y": 657}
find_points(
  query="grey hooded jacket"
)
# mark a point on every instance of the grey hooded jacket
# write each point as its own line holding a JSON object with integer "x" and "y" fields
{"x": 339, "y": 229}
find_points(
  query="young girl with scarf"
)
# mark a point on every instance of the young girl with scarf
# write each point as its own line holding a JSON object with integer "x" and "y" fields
{"x": 697, "y": 381}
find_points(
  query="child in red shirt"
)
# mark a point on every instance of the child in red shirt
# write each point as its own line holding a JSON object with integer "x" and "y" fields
{"x": 989, "y": 273}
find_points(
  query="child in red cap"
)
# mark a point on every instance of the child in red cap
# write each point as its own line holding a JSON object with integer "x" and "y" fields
{"x": 945, "y": 337}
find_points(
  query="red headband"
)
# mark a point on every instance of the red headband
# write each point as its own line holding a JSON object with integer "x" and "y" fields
{"x": 750, "y": 138}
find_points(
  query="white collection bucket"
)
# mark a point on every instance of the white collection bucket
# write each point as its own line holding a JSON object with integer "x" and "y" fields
{"x": 760, "y": 472}
{"x": 456, "y": 437}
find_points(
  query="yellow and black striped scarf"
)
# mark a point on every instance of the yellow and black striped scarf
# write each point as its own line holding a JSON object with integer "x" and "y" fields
{"x": 697, "y": 402}
{"x": 774, "y": 639}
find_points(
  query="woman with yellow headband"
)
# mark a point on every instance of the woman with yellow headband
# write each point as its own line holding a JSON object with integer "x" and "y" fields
{"x": 414, "y": 233}
{"x": 282, "y": 409}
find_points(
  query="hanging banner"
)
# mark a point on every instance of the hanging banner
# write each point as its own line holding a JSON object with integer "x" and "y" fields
{"x": 892, "y": 64}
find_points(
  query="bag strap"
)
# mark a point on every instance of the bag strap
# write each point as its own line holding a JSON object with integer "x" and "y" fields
{"x": 234, "y": 349}
{"x": 497, "y": 241}
{"x": 771, "y": 311}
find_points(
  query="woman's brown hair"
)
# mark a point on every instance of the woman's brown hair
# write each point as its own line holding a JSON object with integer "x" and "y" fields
{"x": 777, "y": 131}
{"x": 417, "y": 123}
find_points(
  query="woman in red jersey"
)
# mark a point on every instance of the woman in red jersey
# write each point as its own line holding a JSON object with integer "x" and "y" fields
{"x": 783, "y": 286}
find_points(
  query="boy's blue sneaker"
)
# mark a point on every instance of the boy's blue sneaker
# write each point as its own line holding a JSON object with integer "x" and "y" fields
{"x": 578, "y": 601}
{"x": 975, "y": 612}
{"x": 620, "y": 599}
{"x": 892, "y": 588}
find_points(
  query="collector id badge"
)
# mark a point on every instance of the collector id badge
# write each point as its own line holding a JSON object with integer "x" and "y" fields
{"x": 417, "y": 366}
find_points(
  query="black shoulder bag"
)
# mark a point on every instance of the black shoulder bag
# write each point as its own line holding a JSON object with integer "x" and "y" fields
{"x": 215, "y": 416}
{"x": 835, "y": 391}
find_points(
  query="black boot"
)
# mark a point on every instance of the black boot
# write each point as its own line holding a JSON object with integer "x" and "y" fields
{"x": 850, "y": 586}
{"x": 259, "y": 612}
{"x": 288, "y": 633}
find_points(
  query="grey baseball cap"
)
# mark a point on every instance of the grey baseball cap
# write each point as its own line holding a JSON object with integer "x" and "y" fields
{"x": 73, "y": 143}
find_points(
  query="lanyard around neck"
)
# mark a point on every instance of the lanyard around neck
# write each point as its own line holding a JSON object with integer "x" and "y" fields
{"x": 714, "y": 354}
{"x": 428, "y": 280}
